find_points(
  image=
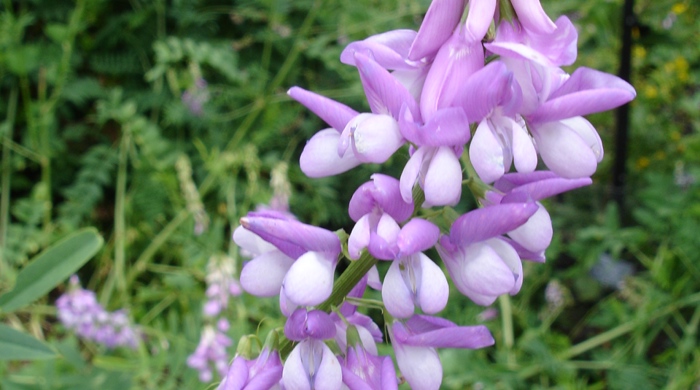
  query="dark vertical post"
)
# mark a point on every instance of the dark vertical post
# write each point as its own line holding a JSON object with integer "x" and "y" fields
{"x": 622, "y": 115}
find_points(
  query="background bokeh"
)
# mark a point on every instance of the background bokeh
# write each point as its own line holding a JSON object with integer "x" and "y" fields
{"x": 160, "y": 124}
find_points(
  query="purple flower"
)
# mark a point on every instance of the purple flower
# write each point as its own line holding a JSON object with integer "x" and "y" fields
{"x": 411, "y": 281}
{"x": 263, "y": 373}
{"x": 303, "y": 324}
{"x": 535, "y": 235}
{"x": 221, "y": 284}
{"x": 439, "y": 173}
{"x": 363, "y": 369}
{"x": 437, "y": 27}
{"x": 363, "y": 137}
{"x": 415, "y": 342}
{"x": 80, "y": 312}
{"x": 456, "y": 60}
{"x": 195, "y": 98}
{"x": 300, "y": 253}
{"x": 312, "y": 365}
{"x": 377, "y": 206}
{"x": 481, "y": 264}
{"x": 368, "y": 330}
{"x": 210, "y": 353}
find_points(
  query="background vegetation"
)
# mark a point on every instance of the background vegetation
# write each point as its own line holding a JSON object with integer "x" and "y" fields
{"x": 106, "y": 122}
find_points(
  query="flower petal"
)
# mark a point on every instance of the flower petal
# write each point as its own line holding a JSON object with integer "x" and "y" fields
{"x": 488, "y": 222}
{"x": 320, "y": 158}
{"x": 533, "y": 17}
{"x": 524, "y": 153}
{"x": 433, "y": 289}
{"x": 448, "y": 126}
{"x": 440, "y": 20}
{"x": 479, "y": 18}
{"x": 510, "y": 258}
{"x": 457, "y": 59}
{"x": 396, "y": 295}
{"x": 329, "y": 375}
{"x": 385, "y": 94}
{"x": 443, "y": 179}
{"x": 310, "y": 279}
{"x": 419, "y": 365}
{"x": 485, "y": 89}
{"x": 416, "y": 236}
{"x": 480, "y": 274}
{"x": 375, "y": 137}
{"x": 564, "y": 151}
{"x": 389, "y": 49}
{"x": 251, "y": 242}
{"x": 410, "y": 173}
{"x": 315, "y": 324}
{"x": 534, "y": 235}
{"x": 587, "y": 91}
{"x": 337, "y": 115}
{"x": 359, "y": 237}
{"x": 263, "y": 275}
{"x": 486, "y": 154}
{"x": 291, "y": 236}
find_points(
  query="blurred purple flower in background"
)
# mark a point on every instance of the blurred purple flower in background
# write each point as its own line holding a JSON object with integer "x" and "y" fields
{"x": 79, "y": 311}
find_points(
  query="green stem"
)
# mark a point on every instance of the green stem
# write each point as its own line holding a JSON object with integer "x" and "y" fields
{"x": 145, "y": 258}
{"x": 119, "y": 214}
{"x": 508, "y": 335}
{"x": 6, "y": 176}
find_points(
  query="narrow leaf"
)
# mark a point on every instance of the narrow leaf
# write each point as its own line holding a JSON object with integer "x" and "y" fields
{"x": 52, "y": 266}
{"x": 16, "y": 345}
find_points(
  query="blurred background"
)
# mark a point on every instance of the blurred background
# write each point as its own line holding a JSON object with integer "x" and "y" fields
{"x": 161, "y": 123}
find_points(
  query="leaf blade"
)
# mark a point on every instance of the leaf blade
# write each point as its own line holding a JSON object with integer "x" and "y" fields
{"x": 16, "y": 345}
{"x": 49, "y": 268}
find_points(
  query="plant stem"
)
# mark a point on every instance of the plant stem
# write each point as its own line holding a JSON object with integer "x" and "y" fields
{"x": 119, "y": 214}
{"x": 6, "y": 176}
{"x": 508, "y": 337}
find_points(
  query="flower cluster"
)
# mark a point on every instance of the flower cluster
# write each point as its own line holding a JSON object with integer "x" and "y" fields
{"x": 211, "y": 351}
{"x": 79, "y": 311}
{"x": 460, "y": 96}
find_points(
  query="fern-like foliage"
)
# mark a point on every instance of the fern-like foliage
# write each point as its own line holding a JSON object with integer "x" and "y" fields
{"x": 96, "y": 174}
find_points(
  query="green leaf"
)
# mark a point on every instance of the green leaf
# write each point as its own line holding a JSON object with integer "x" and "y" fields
{"x": 51, "y": 267}
{"x": 16, "y": 345}
{"x": 57, "y": 32}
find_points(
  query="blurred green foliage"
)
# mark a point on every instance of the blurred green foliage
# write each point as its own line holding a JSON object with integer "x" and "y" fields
{"x": 101, "y": 100}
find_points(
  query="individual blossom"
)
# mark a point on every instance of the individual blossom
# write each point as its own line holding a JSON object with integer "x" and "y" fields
{"x": 532, "y": 238}
{"x": 554, "y": 102}
{"x": 416, "y": 340}
{"x": 437, "y": 27}
{"x": 79, "y": 311}
{"x": 390, "y": 51}
{"x": 261, "y": 373}
{"x": 480, "y": 262}
{"x": 195, "y": 97}
{"x": 439, "y": 173}
{"x": 358, "y": 138}
{"x": 414, "y": 281}
{"x": 211, "y": 353}
{"x": 311, "y": 364}
{"x": 377, "y": 208}
{"x": 221, "y": 284}
{"x": 362, "y": 369}
{"x": 294, "y": 260}
{"x": 347, "y": 317}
